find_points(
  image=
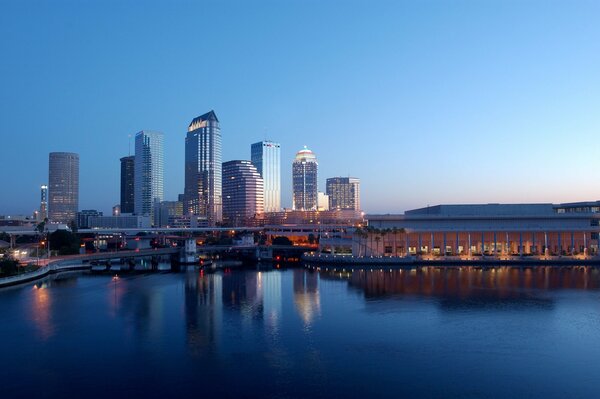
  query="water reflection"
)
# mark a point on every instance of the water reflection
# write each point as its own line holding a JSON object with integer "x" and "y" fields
{"x": 463, "y": 283}
{"x": 306, "y": 295}
{"x": 203, "y": 310}
{"x": 271, "y": 294}
{"x": 300, "y": 333}
{"x": 40, "y": 311}
{"x": 42, "y": 305}
{"x": 243, "y": 292}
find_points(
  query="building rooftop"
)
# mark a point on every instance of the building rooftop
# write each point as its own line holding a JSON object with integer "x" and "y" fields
{"x": 305, "y": 154}
{"x": 198, "y": 121}
{"x": 484, "y": 210}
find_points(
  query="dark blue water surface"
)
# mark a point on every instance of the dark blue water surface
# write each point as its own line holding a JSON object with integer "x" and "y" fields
{"x": 425, "y": 332}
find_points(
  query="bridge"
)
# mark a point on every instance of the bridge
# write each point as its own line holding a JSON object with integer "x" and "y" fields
{"x": 133, "y": 231}
{"x": 81, "y": 262}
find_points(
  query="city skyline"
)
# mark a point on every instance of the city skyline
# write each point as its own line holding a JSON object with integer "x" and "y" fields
{"x": 482, "y": 110}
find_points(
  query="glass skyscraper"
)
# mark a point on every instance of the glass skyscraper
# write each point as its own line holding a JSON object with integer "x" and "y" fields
{"x": 304, "y": 181}
{"x": 243, "y": 193}
{"x": 43, "y": 203}
{"x": 148, "y": 172}
{"x": 63, "y": 187}
{"x": 127, "y": 184}
{"x": 265, "y": 156}
{"x": 203, "y": 169}
{"x": 344, "y": 193}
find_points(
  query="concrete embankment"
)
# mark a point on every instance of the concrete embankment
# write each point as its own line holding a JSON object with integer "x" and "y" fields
{"x": 53, "y": 267}
{"x": 354, "y": 261}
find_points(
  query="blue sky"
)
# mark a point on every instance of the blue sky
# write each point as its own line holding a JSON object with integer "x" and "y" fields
{"x": 426, "y": 101}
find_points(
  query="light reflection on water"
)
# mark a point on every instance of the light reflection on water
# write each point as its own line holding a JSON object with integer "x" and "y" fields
{"x": 500, "y": 332}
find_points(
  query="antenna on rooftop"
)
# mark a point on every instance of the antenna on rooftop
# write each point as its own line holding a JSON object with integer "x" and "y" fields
{"x": 129, "y": 145}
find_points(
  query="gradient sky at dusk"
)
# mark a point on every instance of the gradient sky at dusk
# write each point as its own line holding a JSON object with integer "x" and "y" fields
{"x": 426, "y": 102}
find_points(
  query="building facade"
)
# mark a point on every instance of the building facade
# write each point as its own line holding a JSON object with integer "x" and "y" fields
{"x": 344, "y": 193}
{"x": 203, "y": 169}
{"x": 243, "y": 193}
{"x": 170, "y": 213}
{"x": 304, "y": 181}
{"x": 119, "y": 222}
{"x": 83, "y": 217}
{"x": 148, "y": 172}
{"x": 63, "y": 187}
{"x": 502, "y": 230}
{"x": 322, "y": 202}
{"x": 127, "y": 184}
{"x": 266, "y": 157}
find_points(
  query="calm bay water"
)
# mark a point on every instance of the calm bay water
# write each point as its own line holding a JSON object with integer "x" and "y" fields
{"x": 427, "y": 332}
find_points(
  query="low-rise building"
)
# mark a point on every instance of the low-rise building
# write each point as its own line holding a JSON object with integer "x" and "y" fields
{"x": 483, "y": 229}
{"x": 119, "y": 222}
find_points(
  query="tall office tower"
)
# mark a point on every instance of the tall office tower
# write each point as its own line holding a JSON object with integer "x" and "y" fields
{"x": 243, "y": 192}
{"x": 127, "y": 184}
{"x": 344, "y": 193}
{"x": 203, "y": 169}
{"x": 265, "y": 156}
{"x": 304, "y": 181}
{"x": 148, "y": 172}
{"x": 43, "y": 203}
{"x": 63, "y": 187}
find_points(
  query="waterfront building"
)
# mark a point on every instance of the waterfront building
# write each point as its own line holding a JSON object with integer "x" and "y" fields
{"x": 203, "y": 173}
{"x": 83, "y": 218}
{"x": 502, "y": 230}
{"x": 265, "y": 156}
{"x": 127, "y": 184}
{"x": 119, "y": 222}
{"x": 63, "y": 187}
{"x": 43, "y": 214}
{"x": 322, "y": 202}
{"x": 148, "y": 172}
{"x": 170, "y": 213}
{"x": 344, "y": 193}
{"x": 304, "y": 180}
{"x": 243, "y": 193}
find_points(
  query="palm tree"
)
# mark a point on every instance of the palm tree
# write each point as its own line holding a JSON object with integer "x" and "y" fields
{"x": 371, "y": 233}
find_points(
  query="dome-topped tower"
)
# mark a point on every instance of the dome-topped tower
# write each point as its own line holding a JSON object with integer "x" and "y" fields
{"x": 304, "y": 178}
{"x": 306, "y": 155}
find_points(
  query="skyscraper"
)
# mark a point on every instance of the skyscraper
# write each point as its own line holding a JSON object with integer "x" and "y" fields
{"x": 127, "y": 184}
{"x": 344, "y": 193}
{"x": 265, "y": 156}
{"x": 63, "y": 187}
{"x": 203, "y": 169}
{"x": 148, "y": 172}
{"x": 243, "y": 192}
{"x": 304, "y": 180}
{"x": 43, "y": 203}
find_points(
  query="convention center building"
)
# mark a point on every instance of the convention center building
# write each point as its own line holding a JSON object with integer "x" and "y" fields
{"x": 502, "y": 230}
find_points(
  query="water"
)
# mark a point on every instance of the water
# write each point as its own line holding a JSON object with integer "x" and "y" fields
{"x": 428, "y": 332}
